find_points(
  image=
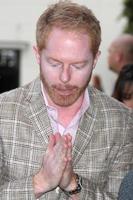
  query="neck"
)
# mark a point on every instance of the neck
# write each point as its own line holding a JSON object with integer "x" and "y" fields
{"x": 66, "y": 114}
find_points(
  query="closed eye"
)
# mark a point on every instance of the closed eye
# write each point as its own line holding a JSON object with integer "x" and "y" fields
{"x": 55, "y": 64}
{"x": 79, "y": 66}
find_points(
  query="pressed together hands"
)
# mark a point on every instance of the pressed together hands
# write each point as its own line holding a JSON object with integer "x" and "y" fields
{"x": 56, "y": 170}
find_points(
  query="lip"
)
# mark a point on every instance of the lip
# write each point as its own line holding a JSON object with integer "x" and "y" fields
{"x": 64, "y": 92}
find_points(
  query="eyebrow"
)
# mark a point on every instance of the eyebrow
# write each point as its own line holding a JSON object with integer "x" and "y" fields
{"x": 77, "y": 62}
{"x": 80, "y": 62}
{"x": 53, "y": 59}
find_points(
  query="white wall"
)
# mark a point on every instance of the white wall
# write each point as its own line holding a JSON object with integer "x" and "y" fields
{"x": 18, "y": 23}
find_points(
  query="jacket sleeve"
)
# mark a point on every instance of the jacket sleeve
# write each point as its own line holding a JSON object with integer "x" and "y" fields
{"x": 14, "y": 189}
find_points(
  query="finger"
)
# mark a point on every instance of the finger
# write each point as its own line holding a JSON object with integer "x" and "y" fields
{"x": 69, "y": 153}
{"x": 69, "y": 139}
{"x": 57, "y": 136}
{"x": 69, "y": 144}
{"x": 52, "y": 141}
{"x": 61, "y": 149}
{"x": 66, "y": 141}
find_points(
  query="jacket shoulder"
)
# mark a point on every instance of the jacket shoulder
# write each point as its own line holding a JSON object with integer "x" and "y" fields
{"x": 22, "y": 93}
{"x": 108, "y": 105}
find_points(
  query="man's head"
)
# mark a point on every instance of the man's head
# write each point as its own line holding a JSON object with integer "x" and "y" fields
{"x": 120, "y": 52}
{"x": 68, "y": 39}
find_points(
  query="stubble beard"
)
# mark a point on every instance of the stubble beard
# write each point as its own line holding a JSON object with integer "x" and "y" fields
{"x": 53, "y": 92}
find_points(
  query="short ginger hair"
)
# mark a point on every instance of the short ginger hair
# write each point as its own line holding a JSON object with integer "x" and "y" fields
{"x": 70, "y": 17}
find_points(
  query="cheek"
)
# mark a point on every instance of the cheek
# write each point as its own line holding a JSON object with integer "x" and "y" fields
{"x": 129, "y": 103}
{"x": 109, "y": 59}
{"x": 48, "y": 74}
{"x": 82, "y": 78}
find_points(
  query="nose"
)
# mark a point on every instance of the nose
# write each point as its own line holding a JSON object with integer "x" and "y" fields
{"x": 65, "y": 74}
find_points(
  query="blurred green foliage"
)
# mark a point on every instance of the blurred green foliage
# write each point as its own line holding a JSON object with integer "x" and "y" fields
{"x": 128, "y": 14}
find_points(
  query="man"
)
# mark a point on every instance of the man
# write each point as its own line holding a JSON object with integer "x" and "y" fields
{"x": 120, "y": 52}
{"x": 61, "y": 139}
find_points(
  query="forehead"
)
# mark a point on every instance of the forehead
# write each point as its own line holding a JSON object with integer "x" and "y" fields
{"x": 65, "y": 35}
{"x": 68, "y": 42}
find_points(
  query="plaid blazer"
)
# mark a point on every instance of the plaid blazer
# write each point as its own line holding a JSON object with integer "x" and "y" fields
{"x": 102, "y": 152}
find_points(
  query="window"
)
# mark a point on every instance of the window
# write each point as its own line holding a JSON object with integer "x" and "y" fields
{"x": 9, "y": 69}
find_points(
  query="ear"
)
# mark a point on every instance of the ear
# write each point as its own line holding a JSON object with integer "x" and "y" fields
{"x": 96, "y": 58}
{"x": 37, "y": 54}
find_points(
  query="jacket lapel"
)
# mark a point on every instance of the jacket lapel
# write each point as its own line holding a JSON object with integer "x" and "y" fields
{"x": 85, "y": 130}
{"x": 37, "y": 113}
